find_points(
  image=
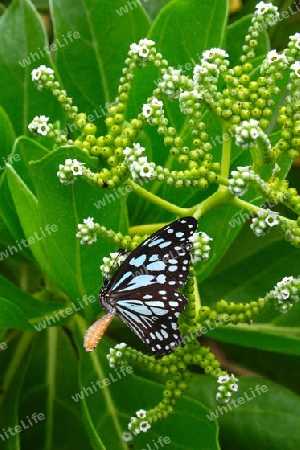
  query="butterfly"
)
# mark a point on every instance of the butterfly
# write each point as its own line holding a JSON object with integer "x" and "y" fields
{"x": 143, "y": 291}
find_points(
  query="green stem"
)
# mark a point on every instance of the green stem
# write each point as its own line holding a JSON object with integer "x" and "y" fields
{"x": 226, "y": 154}
{"x": 214, "y": 201}
{"x": 257, "y": 157}
{"x": 50, "y": 382}
{"x": 245, "y": 205}
{"x": 160, "y": 202}
{"x": 197, "y": 296}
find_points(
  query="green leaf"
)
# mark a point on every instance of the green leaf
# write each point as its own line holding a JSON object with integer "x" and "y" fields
{"x": 24, "y": 305}
{"x": 23, "y": 38}
{"x": 27, "y": 208}
{"x": 253, "y": 275}
{"x": 7, "y": 137}
{"x": 73, "y": 267}
{"x": 12, "y": 316}
{"x": 200, "y": 23}
{"x": 50, "y": 380}
{"x": 261, "y": 336}
{"x": 268, "y": 417}
{"x": 24, "y": 150}
{"x": 89, "y": 71}
{"x": 16, "y": 359}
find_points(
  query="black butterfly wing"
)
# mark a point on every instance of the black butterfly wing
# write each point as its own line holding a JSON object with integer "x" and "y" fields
{"x": 143, "y": 291}
{"x": 162, "y": 259}
{"x": 153, "y": 317}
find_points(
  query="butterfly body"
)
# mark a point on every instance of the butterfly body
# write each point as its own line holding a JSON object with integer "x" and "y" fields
{"x": 143, "y": 292}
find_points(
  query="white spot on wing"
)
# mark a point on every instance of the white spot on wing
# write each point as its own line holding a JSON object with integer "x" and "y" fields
{"x": 137, "y": 262}
{"x": 158, "y": 266}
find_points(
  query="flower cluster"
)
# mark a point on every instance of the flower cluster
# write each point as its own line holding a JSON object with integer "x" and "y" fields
{"x": 286, "y": 293}
{"x": 116, "y": 356}
{"x": 142, "y": 52}
{"x": 292, "y": 51}
{"x": 265, "y": 220}
{"x": 173, "y": 83}
{"x": 205, "y": 78}
{"x": 274, "y": 63}
{"x": 112, "y": 263}
{"x": 43, "y": 77}
{"x": 153, "y": 111}
{"x": 138, "y": 165}
{"x": 40, "y": 125}
{"x": 201, "y": 247}
{"x": 139, "y": 423}
{"x": 87, "y": 231}
{"x": 228, "y": 384}
{"x": 70, "y": 170}
{"x": 206, "y": 74}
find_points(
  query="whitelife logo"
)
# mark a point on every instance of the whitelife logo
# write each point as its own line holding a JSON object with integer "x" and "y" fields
{"x": 35, "y": 417}
{"x": 240, "y": 400}
{"x": 51, "y": 320}
{"x": 11, "y": 250}
{"x": 49, "y": 48}
{"x": 122, "y": 372}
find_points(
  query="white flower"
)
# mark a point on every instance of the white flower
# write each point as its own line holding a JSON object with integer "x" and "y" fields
{"x": 89, "y": 222}
{"x": 36, "y": 74}
{"x": 126, "y": 436}
{"x": 262, "y": 7}
{"x": 134, "y": 48}
{"x": 233, "y": 377}
{"x": 146, "y": 42}
{"x": 285, "y": 293}
{"x": 121, "y": 345}
{"x": 272, "y": 56}
{"x": 39, "y": 125}
{"x": 41, "y": 70}
{"x": 144, "y": 426}
{"x": 141, "y": 413}
{"x": 77, "y": 170}
{"x": 156, "y": 102}
{"x": 43, "y": 129}
{"x": 223, "y": 379}
{"x": 143, "y": 51}
{"x": 272, "y": 219}
{"x": 296, "y": 68}
{"x": 254, "y": 133}
{"x": 296, "y": 39}
{"x": 147, "y": 110}
{"x": 210, "y": 54}
{"x": 146, "y": 170}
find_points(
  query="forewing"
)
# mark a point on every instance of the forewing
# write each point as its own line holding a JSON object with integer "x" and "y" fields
{"x": 153, "y": 317}
{"x": 162, "y": 259}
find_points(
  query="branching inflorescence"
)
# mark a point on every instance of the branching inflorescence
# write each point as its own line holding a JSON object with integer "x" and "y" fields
{"x": 243, "y": 99}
